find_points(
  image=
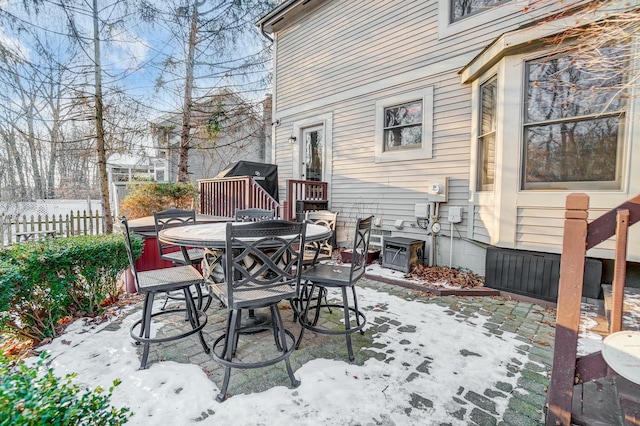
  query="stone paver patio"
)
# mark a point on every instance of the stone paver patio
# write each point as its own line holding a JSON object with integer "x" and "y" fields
{"x": 532, "y": 324}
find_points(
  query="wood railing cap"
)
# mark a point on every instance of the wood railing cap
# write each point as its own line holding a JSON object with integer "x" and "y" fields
{"x": 577, "y": 201}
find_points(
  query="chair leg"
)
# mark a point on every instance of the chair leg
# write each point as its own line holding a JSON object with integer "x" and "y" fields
{"x": 145, "y": 328}
{"x": 275, "y": 327}
{"x": 194, "y": 318}
{"x": 347, "y": 322}
{"x": 304, "y": 314}
{"x": 283, "y": 339}
{"x": 229, "y": 348}
{"x": 355, "y": 306}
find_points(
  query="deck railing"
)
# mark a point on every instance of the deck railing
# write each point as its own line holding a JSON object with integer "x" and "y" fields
{"x": 85, "y": 223}
{"x": 303, "y": 190}
{"x": 580, "y": 236}
{"x": 221, "y": 197}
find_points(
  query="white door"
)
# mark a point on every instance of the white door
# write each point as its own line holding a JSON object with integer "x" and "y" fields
{"x": 312, "y": 150}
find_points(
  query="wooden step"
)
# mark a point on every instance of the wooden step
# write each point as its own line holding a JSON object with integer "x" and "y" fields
{"x": 607, "y": 401}
{"x": 631, "y": 306}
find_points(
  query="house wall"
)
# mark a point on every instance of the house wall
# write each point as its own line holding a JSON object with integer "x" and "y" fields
{"x": 342, "y": 58}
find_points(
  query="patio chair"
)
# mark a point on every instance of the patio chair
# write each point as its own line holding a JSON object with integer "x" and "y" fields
{"x": 254, "y": 215}
{"x": 181, "y": 255}
{"x": 263, "y": 262}
{"x": 322, "y": 276}
{"x": 316, "y": 251}
{"x": 149, "y": 283}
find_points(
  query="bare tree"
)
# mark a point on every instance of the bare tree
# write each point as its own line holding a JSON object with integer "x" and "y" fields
{"x": 218, "y": 44}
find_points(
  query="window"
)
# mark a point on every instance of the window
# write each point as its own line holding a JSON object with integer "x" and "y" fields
{"x": 574, "y": 116}
{"x": 456, "y": 16}
{"x": 487, "y": 134}
{"x": 461, "y": 9}
{"x": 404, "y": 126}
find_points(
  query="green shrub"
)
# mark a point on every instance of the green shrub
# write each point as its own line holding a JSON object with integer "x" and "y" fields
{"x": 43, "y": 282}
{"x": 35, "y": 396}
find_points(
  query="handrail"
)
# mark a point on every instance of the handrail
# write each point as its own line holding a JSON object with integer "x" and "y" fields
{"x": 303, "y": 190}
{"x": 579, "y": 236}
{"x": 222, "y": 196}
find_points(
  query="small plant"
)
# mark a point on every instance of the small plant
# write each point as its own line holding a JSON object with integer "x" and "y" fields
{"x": 35, "y": 396}
{"x": 145, "y": 198}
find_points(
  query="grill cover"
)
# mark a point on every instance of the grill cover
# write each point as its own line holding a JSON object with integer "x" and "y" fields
{"x": 266, "y": 175}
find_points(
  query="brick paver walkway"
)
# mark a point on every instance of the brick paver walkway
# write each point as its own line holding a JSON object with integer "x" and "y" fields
{"x": 531, "y": 323}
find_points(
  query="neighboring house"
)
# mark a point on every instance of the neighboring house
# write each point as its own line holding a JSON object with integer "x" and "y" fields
{"x": 225, "y": 128}
{"x": 388, "y": 101}
{"x": 125, "y": 169}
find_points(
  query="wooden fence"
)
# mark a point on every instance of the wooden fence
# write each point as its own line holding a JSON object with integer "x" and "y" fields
{"x": 12, "y": 226}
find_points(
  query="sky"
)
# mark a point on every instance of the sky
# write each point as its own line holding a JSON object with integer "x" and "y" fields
{"x": 377, "y": 392}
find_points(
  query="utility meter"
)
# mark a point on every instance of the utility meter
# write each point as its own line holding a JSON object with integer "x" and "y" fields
{"x": 435, "y": 228}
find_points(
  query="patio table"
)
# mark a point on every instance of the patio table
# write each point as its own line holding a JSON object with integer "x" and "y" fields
{"x": 212, "y": 238}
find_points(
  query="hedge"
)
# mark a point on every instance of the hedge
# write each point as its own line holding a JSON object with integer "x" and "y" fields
{"x": 43, "y": 282}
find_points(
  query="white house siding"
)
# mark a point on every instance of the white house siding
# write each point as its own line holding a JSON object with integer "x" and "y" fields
{"x": 482, "y": 219}
{"x": 345, "y": 56}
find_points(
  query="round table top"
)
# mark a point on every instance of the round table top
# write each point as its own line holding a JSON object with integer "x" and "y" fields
{"x": 214, "y": 235}
{"x": 146, "y": 226}
{"x": 621, "y": 351}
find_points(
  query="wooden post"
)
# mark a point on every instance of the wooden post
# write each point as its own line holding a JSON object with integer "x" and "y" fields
{"x": 568, "y": 312}
{"x": 620, "y": 270}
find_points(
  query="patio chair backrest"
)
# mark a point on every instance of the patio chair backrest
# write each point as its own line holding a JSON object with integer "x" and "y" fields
{"x": 254, "y": 215}
{"x": 360, "y": 248}
{"x": 325, "y": 218}
{"x": 129, "y": 247}
{"x": 263, "y": 257}
{"x": 169, "y": 218}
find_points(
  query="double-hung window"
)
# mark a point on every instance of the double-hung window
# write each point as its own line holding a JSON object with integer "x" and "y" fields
{"x": 404, "y": 126}
{"x": 487, "y": 134}
{"x": 573, "y": 122}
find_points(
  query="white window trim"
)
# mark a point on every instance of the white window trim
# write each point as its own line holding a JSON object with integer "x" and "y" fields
{"x": 325, "y": 120}
{"x": 447, "y": 28}
{"x": 424, "y": 152}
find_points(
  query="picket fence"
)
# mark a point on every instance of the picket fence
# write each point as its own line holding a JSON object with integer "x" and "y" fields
{"x": 78, "y": 223}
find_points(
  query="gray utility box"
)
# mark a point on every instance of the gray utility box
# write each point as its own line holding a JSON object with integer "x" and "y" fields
{"x": 400, "y": 253}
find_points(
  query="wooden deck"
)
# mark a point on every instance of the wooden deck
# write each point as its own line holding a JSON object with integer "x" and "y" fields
{"x": 631, "y": 306}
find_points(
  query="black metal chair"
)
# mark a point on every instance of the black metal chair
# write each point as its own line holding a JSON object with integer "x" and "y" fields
{"x": 322, "y": 276}
{"x": 254, "y": 215}
{"x": 262, "y": 263}
{"x": 320, "y": 250}
{"x": 181, "y": 255}
{"x": 149, "y": 283}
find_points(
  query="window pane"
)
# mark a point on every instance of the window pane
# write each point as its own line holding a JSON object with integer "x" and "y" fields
{"x": 488, "y": 155}
{"x": 568, "y": 86}
{"x": 314, "y": 142}
{"x": 573, "y": 151}
{"x": 403, "y": 115}
{"x": 463, "y": 8}
{"x": 489, "y": 92}
{"x": 402, "y": 137}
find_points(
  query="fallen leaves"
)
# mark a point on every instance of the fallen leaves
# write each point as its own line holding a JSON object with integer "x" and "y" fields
{"x": 443, "y": 274}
